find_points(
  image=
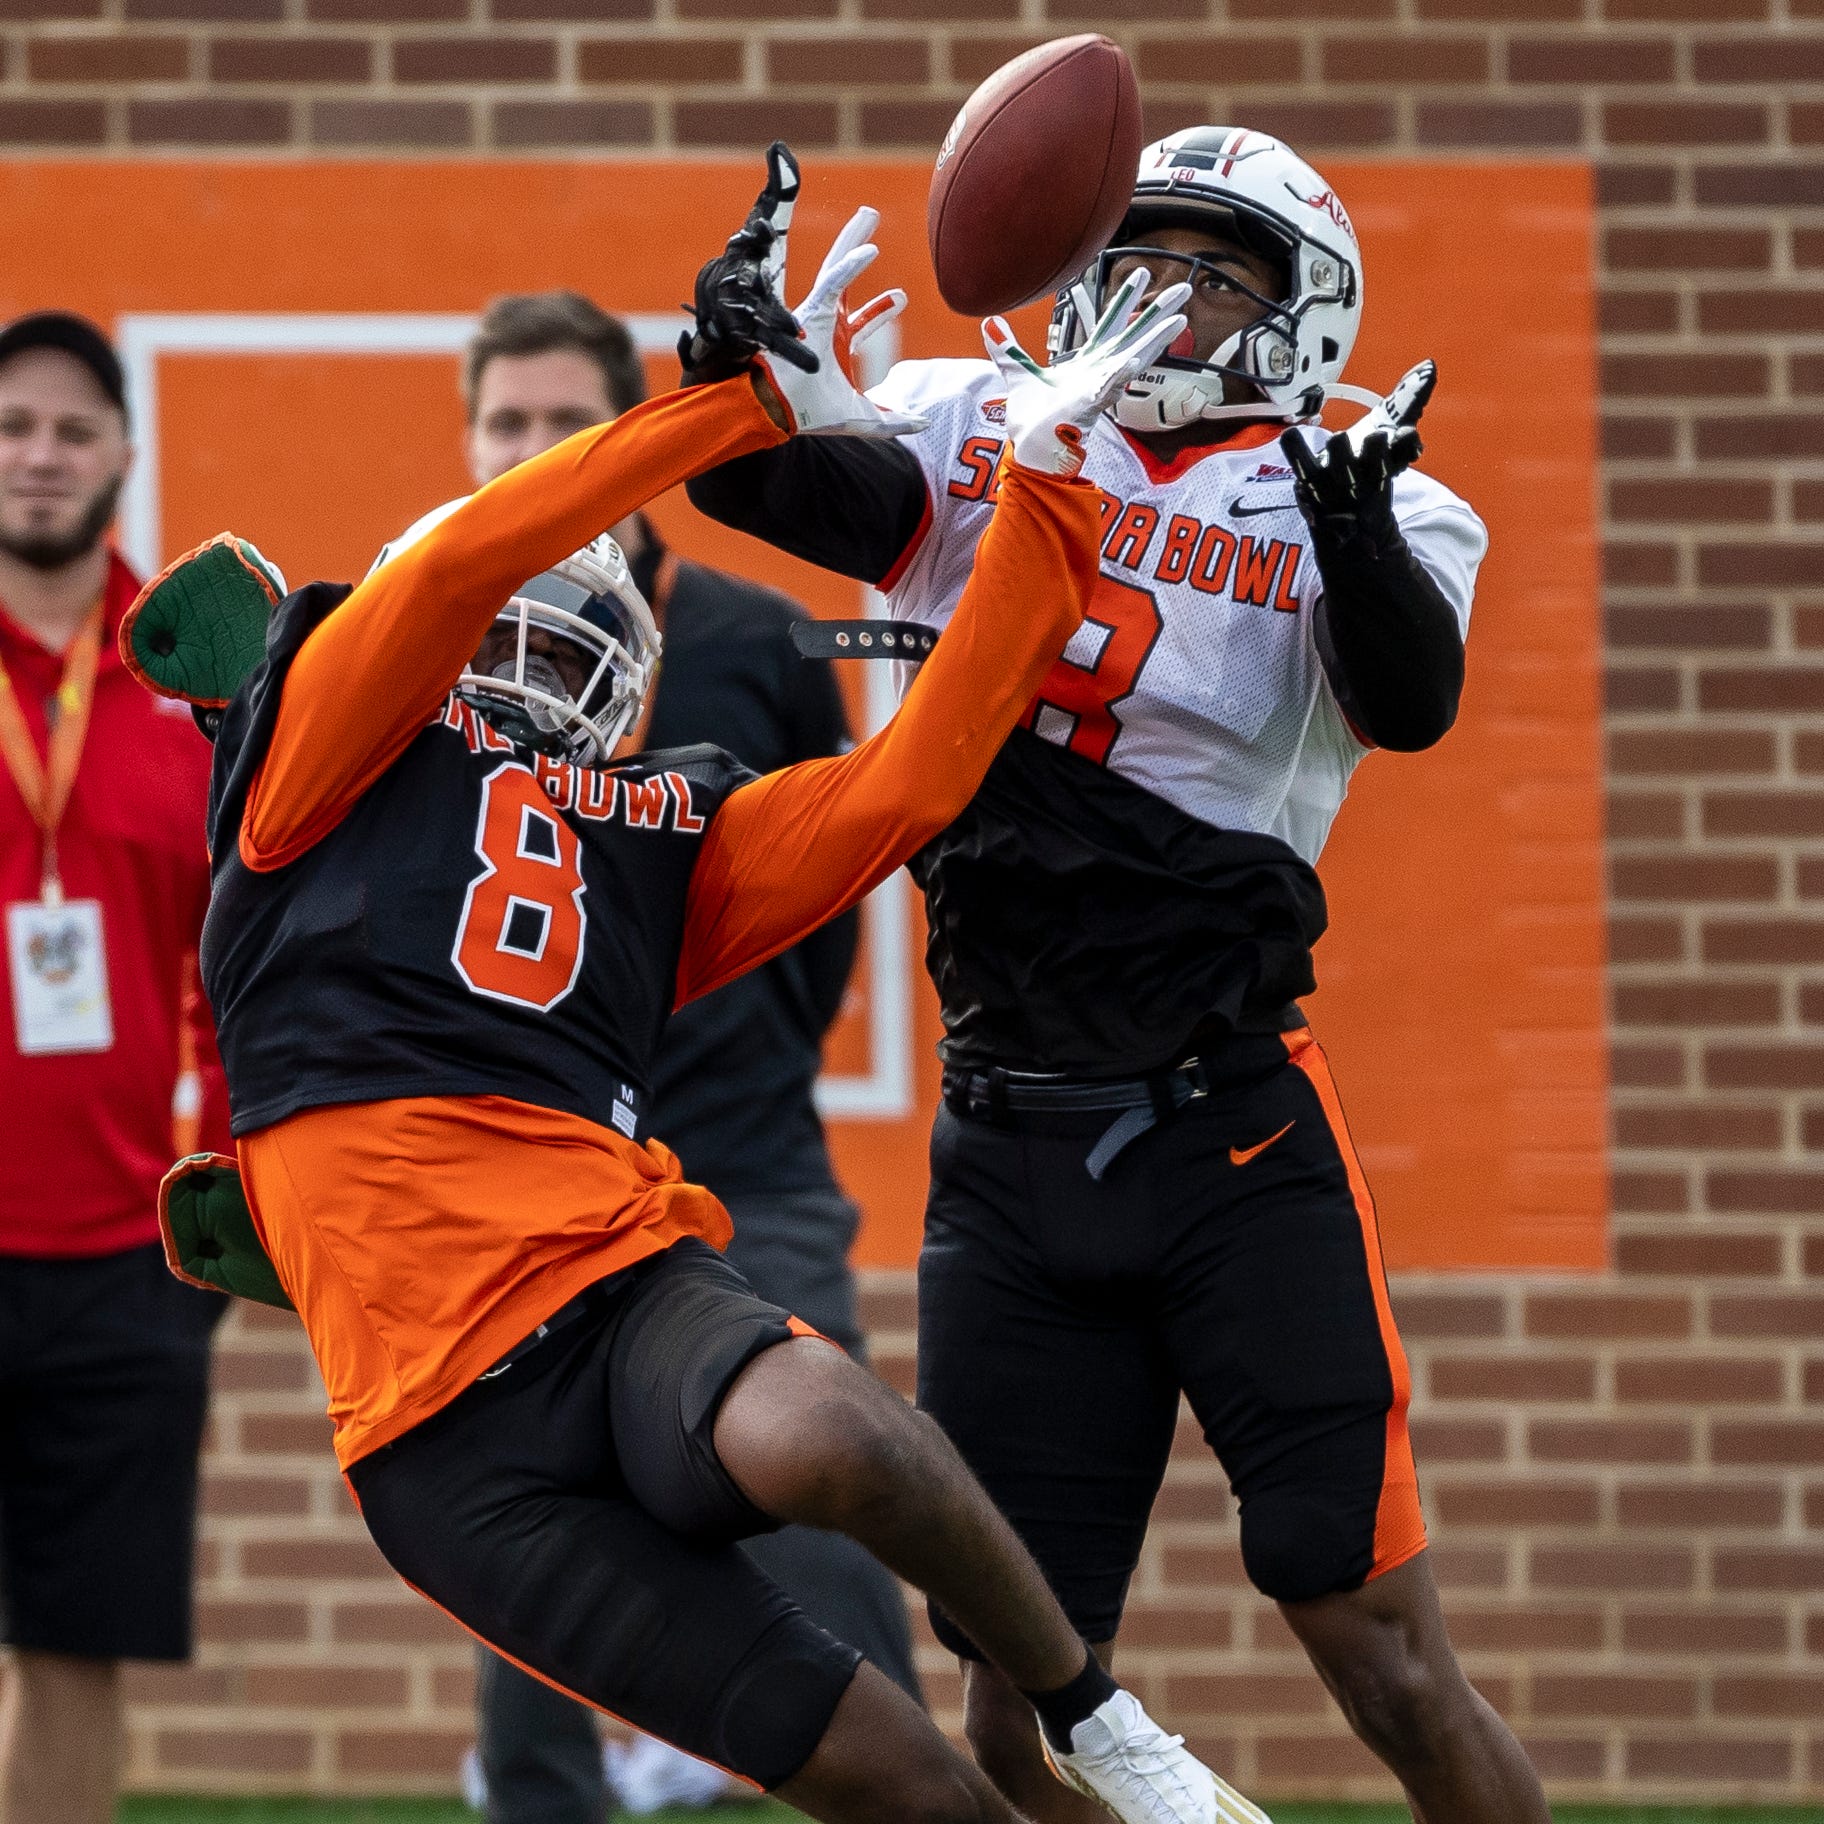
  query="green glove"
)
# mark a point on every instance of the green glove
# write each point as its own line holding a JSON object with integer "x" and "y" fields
{"x": 208, "y": 1231}
{"x": 199, "y": 627}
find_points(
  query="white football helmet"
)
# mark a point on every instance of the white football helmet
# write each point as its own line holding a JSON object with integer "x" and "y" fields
{"x": 1251, "y": 188}
{"x": 590, "y": 600}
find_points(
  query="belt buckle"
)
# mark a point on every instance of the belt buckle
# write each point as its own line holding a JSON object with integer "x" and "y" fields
{"x": 987, "y": 1095}
{"x": 1200, "y": 1086}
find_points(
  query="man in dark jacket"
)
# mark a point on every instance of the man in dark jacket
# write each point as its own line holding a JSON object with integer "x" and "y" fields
{"x": 733, "y": 1092}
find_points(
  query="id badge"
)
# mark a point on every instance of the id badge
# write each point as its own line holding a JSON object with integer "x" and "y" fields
{"x": 58, "y": 963}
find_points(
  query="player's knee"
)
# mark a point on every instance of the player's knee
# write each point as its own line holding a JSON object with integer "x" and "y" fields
{"x": 866, "y": 1453}
{"x": 1399, "y": 1704}
{"x": 943, "y": 1795}
{"x": 1296, "y": 1548}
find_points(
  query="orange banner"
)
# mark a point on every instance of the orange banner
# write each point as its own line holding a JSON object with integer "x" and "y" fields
{"x": 290, "y": 332}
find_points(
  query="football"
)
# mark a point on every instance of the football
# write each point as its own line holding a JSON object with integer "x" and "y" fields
{"x": 1035, "y": 174}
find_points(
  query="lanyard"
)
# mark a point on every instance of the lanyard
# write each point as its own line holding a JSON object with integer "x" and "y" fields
{"x": 46, "y": 789}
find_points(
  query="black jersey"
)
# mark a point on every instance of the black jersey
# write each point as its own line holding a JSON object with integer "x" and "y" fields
{"x": 1080, "y": 923}
{"x": 483, "y": 921}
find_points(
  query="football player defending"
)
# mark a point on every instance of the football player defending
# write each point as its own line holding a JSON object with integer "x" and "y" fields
{"x": 1141, "y": 1181}
{"x": 443, "y": 940}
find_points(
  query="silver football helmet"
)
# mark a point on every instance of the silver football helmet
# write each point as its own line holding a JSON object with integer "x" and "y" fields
{"x": 590, "y": 600}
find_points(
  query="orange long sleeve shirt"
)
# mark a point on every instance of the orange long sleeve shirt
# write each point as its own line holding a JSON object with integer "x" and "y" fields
{"x": 421, "y": 1238}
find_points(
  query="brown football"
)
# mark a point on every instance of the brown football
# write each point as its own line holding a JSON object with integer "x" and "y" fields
{"x": 1035, "y": 174}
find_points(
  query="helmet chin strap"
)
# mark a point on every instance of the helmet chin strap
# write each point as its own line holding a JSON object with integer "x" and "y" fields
{"x": 1258, "y": 409}
{"x": 1354, "y": 395}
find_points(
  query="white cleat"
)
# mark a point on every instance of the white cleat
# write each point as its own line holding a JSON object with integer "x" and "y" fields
{"x": 647, "y": 1775}
{"x": 1123, "y": 1760}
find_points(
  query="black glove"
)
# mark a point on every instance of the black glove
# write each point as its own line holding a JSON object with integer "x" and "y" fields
{"x": 738, "y": 308}
{"x": 1345, "y": 490}
{"x": 1385, "y": 634}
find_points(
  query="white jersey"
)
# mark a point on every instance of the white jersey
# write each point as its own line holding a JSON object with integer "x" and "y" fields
{"x": 1196, "y": 675}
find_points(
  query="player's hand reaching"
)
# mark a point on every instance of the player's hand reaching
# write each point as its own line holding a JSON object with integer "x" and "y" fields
{"x": 1345, "y": 490}
{"x": 825, "y": 401}
{"x": 742, "y": 317}
{"x": 1051, "y": 410}
{"x": 740, "y": 306}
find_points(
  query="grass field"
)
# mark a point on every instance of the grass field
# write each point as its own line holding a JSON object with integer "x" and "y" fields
{"x": 444, "y": 1811}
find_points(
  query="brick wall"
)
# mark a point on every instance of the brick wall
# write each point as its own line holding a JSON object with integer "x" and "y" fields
{"x": 1626, "y": 1476}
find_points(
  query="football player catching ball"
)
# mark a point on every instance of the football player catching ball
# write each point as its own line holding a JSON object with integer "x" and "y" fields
{"x": 446, "y": 930}
{"x": 1142, "y": 1185}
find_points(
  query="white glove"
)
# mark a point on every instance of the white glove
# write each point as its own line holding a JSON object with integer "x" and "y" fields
{"x": 828, "y": 403}
{"x": 1051, "y": 410}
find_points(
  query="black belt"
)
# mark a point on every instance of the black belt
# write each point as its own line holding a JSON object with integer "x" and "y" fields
{"x": 1139, "y": 1103}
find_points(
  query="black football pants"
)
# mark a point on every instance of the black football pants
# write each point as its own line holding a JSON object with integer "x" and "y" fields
{"x": 539, "y": 1749}
{"x": 1231, "y": 1255}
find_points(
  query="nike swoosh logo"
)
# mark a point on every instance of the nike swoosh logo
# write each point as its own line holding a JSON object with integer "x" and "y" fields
{"x": 1240, "y": 1155}
{"x": 1242, "y": 511}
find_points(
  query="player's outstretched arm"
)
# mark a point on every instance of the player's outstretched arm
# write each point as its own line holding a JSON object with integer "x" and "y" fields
{"x": 374, "y": 673}
{"x": 1386, "y": 632}
{"x": 849, "y": 503}
{"x": 788, "y": 851}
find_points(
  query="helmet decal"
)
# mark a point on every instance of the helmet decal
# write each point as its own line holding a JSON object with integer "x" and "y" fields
{"x": 1331, "y": 207}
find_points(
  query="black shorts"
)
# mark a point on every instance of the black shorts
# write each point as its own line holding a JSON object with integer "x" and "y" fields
{"x": 569, "y": 1510}
{"x": 104, "y": 1384}
{"x": 1230, "y": 1253}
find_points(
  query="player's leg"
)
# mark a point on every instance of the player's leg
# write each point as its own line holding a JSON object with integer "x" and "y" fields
{"x": 1281, "y": 1328}
{"x": 105, "y": 1364}
{"x": 1003, "y": 1734}
{"x": 1384, "y": 1654}
{"x": 793, "y": 1249}
{"x": 809, "y": 1437}
{"x": 727, "y": 1413}
{"x": 60, "y": 1739}
{"x": 796, "y": 1431}
{"x": 508, "y": 1509}
{"x": 1039, "y": 1369}
{"x": 882, "y": 1757}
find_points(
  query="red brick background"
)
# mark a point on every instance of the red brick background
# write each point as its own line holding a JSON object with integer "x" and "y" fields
{"x": 1626, "y": 1476}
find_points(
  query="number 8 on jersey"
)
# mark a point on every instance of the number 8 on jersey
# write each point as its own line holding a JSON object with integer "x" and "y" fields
{"x": 521, "y": 934}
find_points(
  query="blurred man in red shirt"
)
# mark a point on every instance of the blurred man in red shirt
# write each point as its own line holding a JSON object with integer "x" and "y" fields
{"x": 104, "y": 1357}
